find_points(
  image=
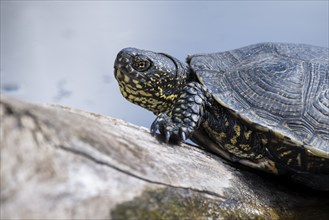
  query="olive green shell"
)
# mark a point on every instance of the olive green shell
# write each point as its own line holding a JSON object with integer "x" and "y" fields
{"x": 279, "y": 87}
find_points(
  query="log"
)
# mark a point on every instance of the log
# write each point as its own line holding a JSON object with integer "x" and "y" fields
{"x": 62, "y": 163}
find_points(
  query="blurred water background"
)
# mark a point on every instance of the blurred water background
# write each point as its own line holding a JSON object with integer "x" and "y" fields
{"x": 63, "y": 51}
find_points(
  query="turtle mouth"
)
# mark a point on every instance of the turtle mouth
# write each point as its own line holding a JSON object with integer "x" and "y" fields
{"x": 126, "y": 75}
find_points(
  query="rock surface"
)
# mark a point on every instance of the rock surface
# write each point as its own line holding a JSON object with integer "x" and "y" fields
{"x": 61, "y": 163}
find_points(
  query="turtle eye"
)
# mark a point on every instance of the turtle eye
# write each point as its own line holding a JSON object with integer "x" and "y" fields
{"x": 141, "y": 65}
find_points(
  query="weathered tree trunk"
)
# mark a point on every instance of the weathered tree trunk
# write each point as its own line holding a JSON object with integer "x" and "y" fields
{"x": 60, "y": 163}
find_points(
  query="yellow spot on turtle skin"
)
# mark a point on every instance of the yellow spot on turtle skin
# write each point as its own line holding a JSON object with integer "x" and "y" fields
{"x": 118, "y": 75}
{"x": 126, "y": 79}
{"x": 245, "y": 147}
{"x": 289, "y": 162}
{"x": 183, "y": 95}
{"x": 143, "y": 93}
{"x": 123, "y": 92}
{"x": 237, "y": 130}
{"x": 264, "y": 141}
{"x": 160, "y": 91}
{"x": 129, "y": 90}
{"x": 285, "y": 153}
{"x": 222, "y": 136}
{"x": 233, "y": 140}
{"x": 247, "y": 134}
{"x": 259, "y": 156}
{"x": 130, "y": 97}
{"x": 171, "y": 97}
{"x": 137, "y": 85}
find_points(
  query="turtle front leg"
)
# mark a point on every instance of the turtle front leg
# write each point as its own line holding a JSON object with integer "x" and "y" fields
{"x": 186, "y": 115}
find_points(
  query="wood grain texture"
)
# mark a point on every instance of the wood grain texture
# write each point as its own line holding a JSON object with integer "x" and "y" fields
{"x": 61, "y": 163}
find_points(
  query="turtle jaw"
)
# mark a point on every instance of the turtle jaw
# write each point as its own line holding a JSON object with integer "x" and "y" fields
{"x": 135, "y": 89}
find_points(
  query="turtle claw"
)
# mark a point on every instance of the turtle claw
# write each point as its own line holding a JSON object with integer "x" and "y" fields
{"x": 183, "y": 135}
{"x": 169, "y": 129}
{"x": 165, "y": 126}
{"x": 167, "y": 136}
{"x": 154, "y": 127}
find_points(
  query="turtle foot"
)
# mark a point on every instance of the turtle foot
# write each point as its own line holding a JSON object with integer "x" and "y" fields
{"x": 170, "y": 130}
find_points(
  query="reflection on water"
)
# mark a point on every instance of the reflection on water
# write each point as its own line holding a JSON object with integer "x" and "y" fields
{"x": 63, "y": 51}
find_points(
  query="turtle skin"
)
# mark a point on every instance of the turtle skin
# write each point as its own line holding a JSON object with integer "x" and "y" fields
{"x": 265, "y": 106}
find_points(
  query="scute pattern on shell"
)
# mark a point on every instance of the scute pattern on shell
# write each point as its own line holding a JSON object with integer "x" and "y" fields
{"x": 281, "y": 87}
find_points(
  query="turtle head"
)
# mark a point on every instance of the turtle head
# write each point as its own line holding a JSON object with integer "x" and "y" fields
{"x": 148, "y": 79}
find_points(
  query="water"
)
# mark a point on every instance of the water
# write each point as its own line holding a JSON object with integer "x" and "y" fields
{"x": 63, "y": 51}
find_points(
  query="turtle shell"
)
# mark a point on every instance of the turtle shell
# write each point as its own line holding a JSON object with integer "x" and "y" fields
{"x": 273, "y": 86}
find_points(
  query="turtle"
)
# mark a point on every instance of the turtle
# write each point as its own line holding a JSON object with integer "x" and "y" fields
{"x": 265, "y": 106}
